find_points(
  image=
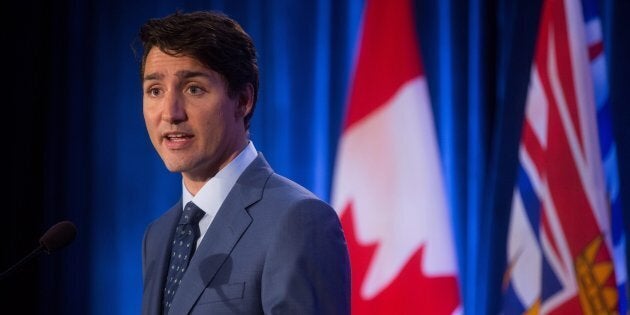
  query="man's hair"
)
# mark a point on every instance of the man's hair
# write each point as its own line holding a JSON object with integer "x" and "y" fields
{"x": 213, "y": 39}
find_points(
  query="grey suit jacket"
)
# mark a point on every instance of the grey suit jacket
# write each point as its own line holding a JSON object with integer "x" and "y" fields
{"x": 273, "y": 248}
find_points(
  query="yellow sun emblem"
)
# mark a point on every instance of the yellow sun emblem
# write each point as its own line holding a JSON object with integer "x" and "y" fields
{"x": 595, "y": 297}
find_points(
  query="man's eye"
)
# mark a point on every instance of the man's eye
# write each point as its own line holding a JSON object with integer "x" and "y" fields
{"x": 154, "y": 92}
{"x": 195, "y": 90}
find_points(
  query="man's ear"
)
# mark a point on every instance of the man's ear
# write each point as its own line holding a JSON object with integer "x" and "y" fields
{"x": 245, "y": 101}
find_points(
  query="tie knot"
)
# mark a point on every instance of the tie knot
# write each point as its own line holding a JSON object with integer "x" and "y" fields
{"x": 192, "y": 214}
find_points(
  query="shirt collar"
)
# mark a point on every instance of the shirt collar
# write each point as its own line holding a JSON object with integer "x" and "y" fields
{"x": 212, "y": 194}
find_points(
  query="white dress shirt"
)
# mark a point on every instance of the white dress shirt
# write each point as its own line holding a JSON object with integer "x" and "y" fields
{"x": 212, "y": 194}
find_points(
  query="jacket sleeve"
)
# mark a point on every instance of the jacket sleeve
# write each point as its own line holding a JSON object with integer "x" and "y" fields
{"x": 307, "y": 269}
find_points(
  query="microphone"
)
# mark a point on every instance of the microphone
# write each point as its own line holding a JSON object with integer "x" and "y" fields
{"x": 57, "y": 237}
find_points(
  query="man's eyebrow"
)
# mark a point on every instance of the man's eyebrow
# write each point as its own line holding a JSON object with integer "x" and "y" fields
{"x": 186, "y": 74}
{"x": 183, "y": 74}
{"x": 153, "y": 76}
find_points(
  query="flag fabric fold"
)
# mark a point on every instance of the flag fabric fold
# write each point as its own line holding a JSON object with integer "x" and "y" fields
{"x": 388, "y": 188}
{"x": 565, "y": 239}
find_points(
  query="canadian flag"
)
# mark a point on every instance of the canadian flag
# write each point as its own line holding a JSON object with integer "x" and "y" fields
{"x": 388, "y": 188}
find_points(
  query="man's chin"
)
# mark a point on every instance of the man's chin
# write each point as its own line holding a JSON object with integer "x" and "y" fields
{"x": 175, "y": 167}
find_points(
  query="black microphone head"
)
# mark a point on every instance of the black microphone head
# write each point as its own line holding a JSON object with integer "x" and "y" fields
{"x": 58, "y": 236}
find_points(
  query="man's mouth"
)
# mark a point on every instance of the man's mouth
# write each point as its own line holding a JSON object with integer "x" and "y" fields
{"x": 177, "y": 140}
{"x": 177, "y": 136}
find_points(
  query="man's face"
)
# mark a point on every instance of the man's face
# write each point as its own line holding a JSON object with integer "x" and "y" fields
{"x": 193, "y": 124}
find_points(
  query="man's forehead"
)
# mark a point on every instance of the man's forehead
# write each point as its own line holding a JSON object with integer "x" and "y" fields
{"x": 158, "y": 65}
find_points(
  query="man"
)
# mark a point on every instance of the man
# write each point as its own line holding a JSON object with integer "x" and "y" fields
{"x": 242, "y": 239}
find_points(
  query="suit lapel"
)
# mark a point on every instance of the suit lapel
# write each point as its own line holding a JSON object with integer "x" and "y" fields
{"x": 159, "y": 261}
{"x": 231, "y": 221}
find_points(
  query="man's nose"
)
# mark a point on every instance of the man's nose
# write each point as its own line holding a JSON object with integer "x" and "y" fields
{"x": 174, "y": 111}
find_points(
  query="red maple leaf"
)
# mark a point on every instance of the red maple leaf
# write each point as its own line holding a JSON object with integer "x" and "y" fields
{"x": 411, "y": 292}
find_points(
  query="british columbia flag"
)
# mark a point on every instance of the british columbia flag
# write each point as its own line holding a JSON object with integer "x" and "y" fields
{"x": 565, "y": 241}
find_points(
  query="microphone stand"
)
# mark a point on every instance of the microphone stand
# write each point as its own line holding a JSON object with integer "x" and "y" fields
{"x": 22, "y": 261}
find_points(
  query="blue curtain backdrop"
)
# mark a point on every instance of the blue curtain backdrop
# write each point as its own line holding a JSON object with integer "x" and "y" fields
{"x": 79, "y": 148}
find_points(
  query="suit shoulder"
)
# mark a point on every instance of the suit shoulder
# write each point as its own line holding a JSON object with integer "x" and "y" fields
{"x": 285, "y": 196}
{"x": 164, "y": 220}
{"x": 279, "y": 186}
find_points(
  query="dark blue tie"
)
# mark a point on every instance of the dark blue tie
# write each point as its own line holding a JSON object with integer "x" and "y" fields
{"x": 183, "y": 247}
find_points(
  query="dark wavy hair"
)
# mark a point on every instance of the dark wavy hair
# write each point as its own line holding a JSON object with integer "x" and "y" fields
{"x": 212, "y": 38}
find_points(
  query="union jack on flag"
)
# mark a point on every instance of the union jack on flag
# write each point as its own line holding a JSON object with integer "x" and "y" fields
{"x": 565, "y": 242}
